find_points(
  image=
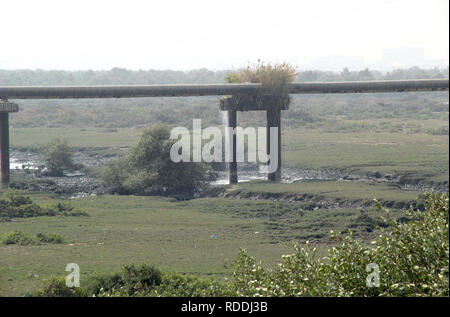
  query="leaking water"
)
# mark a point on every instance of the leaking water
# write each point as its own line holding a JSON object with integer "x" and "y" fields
{"x": 223, "y": 180}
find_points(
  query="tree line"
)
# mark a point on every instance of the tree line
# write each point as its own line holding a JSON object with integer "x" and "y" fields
{"x": 121, "y": 76}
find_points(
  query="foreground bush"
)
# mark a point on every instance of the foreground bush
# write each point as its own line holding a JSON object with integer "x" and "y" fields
{"x": 174, "y": 285}
{"x": 412, "y": 258}
{"x": 15, "y": 205}
{"x": 182, "y": 285}
{"x": 136, "y": 280}
{"x": 130, "y": 280}
{"x": 56, "y": 287}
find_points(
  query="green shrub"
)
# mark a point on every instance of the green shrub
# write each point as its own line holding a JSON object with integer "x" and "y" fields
{"x": 24, "y": 238}
{"x": 137, "y": 280}
{"x": 413, "y": 259}
{"x": 15, "y": 199}
{"x": 102, "y": 283}
{"x": 17, "y": 237}
{"x": 131, "y": 280}
{"x": 56, "y": 287}
{"x": 443, "y": 130}
{"x": 414, "y": 256}
{"x": 148, "y": 170}
{"x": 15, "y": 205}
{"x": 58, "y": 157}
{"x": 173, "y": 285}
{"x": 181, "y": 285}
{"x": 50, "y": 238}
{"x": 141, "y": 278}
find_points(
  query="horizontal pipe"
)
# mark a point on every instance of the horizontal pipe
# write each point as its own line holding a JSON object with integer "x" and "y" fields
{"x": 128, "y": 91}
{"x": 369, "y": 86}
{"x": 132, "y": 91}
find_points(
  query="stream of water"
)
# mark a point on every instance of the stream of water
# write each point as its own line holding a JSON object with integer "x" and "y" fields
{"x": 21, "y": 162}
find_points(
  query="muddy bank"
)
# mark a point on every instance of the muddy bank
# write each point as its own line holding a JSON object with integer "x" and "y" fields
{"x": 310, "y": 201}
{"x": 68, "y": 187}
{"x": 290, "y": 175}
{"x": 34, "y": 160}
{"x": 25, "y": 167}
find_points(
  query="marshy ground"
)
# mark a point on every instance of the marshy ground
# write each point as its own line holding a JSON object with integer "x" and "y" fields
{"x": 202, "y": 236}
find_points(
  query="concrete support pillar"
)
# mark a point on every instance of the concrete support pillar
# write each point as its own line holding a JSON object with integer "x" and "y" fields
{"x": 274, "y": 120}
{"x": 232, "y": 166}
{"x": 273, "y": 105}
{"x": 5, "y": 108}
{"x": 4, "y": 149}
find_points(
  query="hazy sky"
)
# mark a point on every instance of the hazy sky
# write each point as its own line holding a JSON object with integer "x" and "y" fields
{"x": 169, "y": 34}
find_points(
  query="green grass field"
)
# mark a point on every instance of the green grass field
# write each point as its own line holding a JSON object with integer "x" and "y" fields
{"x": 32, "y": 138}
{"x": 176, "y": 235}
{"x": 173, "y": 235}
{"x": 121, "y": 230}
{"x": 346, "y": 192}
{"x": 421, "y": 156}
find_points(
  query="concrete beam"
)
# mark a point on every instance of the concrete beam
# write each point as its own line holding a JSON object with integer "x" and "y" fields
{"x": 7, "y": 107}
